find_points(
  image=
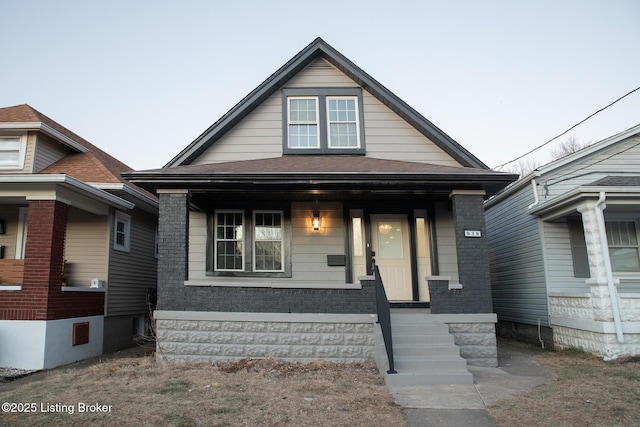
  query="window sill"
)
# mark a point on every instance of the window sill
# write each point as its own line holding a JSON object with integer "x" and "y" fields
{"x": 82, "y": 289}
{"x": 10, "y": 287}
{"x": 274, "y": 285}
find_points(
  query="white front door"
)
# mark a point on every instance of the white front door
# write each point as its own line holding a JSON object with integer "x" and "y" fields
{"x": 390, "y": 242}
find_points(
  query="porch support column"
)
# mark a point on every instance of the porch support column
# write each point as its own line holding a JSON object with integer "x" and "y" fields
{"x": 44, "y": 258}
{"x": 472, "y": 253}
{"x": 604, "y": 294}
{"x": 173, "y": 248}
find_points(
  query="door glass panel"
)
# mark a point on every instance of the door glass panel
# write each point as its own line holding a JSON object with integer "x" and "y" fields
{"x": 390, "y": 239}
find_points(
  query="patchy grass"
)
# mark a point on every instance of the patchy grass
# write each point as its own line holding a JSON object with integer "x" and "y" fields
{"x": 247, "y": 393}
{"x": 584, "y": 391}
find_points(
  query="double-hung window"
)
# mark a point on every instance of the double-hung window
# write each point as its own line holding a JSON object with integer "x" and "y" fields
{"x": 249, "y": 243}
{"x": 323, "y": 121}
{"x": 229, "y": 241}
{"x": 12, "y": 152}
{"x": 122, "y": 232}
{"x": 622, "y": 237}
{"x": 303, "y": 122}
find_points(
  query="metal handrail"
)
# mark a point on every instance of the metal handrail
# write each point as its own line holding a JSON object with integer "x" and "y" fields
{"x": 384, "y": 318}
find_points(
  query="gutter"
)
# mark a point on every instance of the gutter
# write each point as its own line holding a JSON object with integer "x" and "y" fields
{"x": 613, "y": 292}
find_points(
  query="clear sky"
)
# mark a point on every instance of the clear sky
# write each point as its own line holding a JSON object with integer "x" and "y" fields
{"x": 142, "y": 79}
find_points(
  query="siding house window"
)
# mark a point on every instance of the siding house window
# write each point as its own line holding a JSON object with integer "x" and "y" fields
{"x": 229, "y": 245}
{"x": 323, "y": 121}
{"x": 12, "y": 153}
{"x": 249, "y": 243}
{"x": 122, "y": 232}
{"x": 342, "y": 114}
{"x": 303, "y": 123}
{"x": 622, "y": 238}
{"x": 268, "y": 241}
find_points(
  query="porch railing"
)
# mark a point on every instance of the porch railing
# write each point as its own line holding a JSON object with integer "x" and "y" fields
{"x": 11, "y": 271}
{"x": 384, "y": 318}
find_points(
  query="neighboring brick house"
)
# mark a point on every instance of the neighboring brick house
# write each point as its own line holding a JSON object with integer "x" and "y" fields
{"x": 272, "y": 219}
{"x": 69, "y": 221}
{"x": 565, "y": 257}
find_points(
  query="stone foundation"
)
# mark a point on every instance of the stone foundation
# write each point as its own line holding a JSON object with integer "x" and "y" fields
{"x": 585, "y": 321}
{"x": 190, "y": 336}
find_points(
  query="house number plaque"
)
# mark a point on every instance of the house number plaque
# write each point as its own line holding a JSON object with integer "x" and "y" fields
{"x": 472, "y": 233}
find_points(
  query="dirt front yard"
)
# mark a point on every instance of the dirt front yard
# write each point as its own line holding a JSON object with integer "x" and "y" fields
{"x": 137, "y": 391}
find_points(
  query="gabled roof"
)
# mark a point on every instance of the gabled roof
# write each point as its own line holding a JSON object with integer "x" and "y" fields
{"x": 320, "y": 49}
{"x": 86, "y": 162}
{"x": 567, "y": 161}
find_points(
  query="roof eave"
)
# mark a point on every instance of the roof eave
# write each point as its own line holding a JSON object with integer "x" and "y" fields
{"x": 44, "y": 128}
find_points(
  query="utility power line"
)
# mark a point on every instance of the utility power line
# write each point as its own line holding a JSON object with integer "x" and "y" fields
{"x": 568, "y": 130}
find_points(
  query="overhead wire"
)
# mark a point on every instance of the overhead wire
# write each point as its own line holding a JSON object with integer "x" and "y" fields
{"x": 568, "y": 130}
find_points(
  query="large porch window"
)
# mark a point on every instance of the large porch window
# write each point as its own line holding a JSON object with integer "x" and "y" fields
{"x": 249, "y": 242}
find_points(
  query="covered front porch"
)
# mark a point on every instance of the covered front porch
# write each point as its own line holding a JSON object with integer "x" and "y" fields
{"x": 596, "y": 305}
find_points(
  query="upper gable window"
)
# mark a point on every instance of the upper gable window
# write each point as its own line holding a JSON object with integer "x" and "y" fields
{"x": 12, "y": 152}
{"x": 323, "y": 121}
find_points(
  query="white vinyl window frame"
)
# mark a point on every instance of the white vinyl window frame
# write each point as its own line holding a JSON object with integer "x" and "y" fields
{"x": 225, "y": 239}
{"x": 13, "y": 151}
{"x": 295, "y": 124}
{"x": 122, "y": 232}
{"x": 347, "y": 118}
{"x": 622, "y": 236}
{"x": 273, "y": 240}
{"x": 350, "y": 132}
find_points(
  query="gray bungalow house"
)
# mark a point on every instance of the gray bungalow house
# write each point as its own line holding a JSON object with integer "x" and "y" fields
{"x": 565, "y": 266}
{"x": 271, "y": 221}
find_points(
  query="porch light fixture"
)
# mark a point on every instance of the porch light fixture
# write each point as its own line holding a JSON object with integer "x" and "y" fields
{"x": 315, "y": 221}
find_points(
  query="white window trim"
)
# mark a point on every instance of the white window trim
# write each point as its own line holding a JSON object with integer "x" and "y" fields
{"x": 215, "y": 239}
{"x": 356, "y": 122}
{"x": 254, "y": 265}
{"x": 636, "y": 222}
{"x": 126, "y": 219}
{"x": 22, "y": 152}
{"x": 290, "y": 123}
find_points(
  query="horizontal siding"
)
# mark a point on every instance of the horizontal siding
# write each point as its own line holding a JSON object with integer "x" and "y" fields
{"x": 10, "y": 214}
{"x": 446, "y": 242}
{"x": 132, "y": 273}
{"x": 86, "y": 247}
{"x": 309, "y": 249}
{"x": 47, "y": 152}
{"x": 516, "y": 260}
{"x": 387, "y": 135}
{"x": 620, "y": 158}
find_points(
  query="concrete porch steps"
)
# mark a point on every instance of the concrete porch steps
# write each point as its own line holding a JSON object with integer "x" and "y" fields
{"x": 425, "y": 352}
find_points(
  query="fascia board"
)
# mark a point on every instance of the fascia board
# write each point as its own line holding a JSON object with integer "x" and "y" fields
{"x": 42, "y": 127}
{"x": 109, "y": 186}
{"x": 68, "y": 182}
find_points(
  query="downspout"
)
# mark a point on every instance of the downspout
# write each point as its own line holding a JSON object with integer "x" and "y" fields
{"x": 536, "y": 200}
{"x": 613, "y": 292}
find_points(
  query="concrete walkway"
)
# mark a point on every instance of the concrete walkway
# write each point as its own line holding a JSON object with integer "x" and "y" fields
{"x": 465, "y": 405}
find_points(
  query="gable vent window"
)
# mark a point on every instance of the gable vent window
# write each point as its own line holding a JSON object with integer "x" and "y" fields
{"x": 323, "y": 121}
